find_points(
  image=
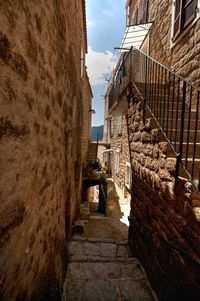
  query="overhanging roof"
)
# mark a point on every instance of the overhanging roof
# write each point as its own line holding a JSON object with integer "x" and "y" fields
{"x": 134, "y": 36}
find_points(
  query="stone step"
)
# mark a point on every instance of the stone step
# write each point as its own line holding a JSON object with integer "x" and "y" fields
{"x": 107, "y": 281}
{"x": 182, "y": 172}
{"x": 87, "y": 250}
{"x": 105, "y": 278}
{"x": 172, "y": 134}
{"x": 172, "y": 106}
{"x": 172, "y": 123}
{"x": 196, "y": 167}
{"x": 173, "y": 114}
{"x": 190, "y": 149}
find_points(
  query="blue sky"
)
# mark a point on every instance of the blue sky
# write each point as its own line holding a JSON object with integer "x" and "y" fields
{"x": 105, "y": 28}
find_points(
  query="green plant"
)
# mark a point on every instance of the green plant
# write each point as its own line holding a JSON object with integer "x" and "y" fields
{"x": 94, "y": 165}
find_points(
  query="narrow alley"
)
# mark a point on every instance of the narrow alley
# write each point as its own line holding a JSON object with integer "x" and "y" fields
{"x": 99, "y": 150}
{"x": 101, "y": 265}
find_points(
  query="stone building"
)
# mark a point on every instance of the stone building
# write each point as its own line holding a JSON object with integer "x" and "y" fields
{"x": 45, "y": 100}
{"x": 117, "y": 155}
{"x": 174, "y": 37}
{"x": 155, "y": 87}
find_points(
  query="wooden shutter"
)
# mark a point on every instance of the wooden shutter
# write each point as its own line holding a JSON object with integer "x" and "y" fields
{"x": 189, "y": 12}
{"x": 177, "y": 18}
{"x": 185, "y": 13}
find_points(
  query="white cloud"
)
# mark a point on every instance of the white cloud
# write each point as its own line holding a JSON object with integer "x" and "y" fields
{"x": 99, "y": 64}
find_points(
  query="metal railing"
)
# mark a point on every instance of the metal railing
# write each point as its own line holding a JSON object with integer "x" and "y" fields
{"x": 173, "y": 102}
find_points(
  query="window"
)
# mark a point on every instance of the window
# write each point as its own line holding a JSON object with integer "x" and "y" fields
{"x": 119, "y": 124}
{"x": 128, "y": 175}
{"x": 117, "y": 163}
{"x": 185, "y": 12}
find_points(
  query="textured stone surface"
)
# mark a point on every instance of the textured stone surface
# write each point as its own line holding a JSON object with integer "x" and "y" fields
{"x": 44, "y": 105}
{"x": 164, "y": 226}
{"x": 102, "y": 275}
{"x": 120, "y": 142}
{"x": 183, "y": 57}
{"x": 101, "y": 266}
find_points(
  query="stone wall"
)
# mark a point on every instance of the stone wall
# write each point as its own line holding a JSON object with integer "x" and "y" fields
{"x": 164, "y": 232}
{"x": 119, "y": 141}
{"x": 87, "y": 117}
{"x": 41, "y": 124}
{"x": 184, "y": 55}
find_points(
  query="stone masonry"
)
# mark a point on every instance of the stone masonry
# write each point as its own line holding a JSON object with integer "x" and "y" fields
{"x": 164, "y": 232}
{"x": 101, "y": 266}
{"x": 184, "y": 55}
{"x": 42, "y": 99}
{"x": 119, "y": 141}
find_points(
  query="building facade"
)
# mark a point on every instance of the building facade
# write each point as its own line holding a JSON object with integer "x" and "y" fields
{"x": 174, "y": 36}
{"x": 156, "y": 86}
{"x": 45, "y": 99}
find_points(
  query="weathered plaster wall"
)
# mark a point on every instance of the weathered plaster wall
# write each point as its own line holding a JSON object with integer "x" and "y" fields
{"x": 184, "y": 56}
{"x": 41, "y": 126}
{"x": 163, "y": 230}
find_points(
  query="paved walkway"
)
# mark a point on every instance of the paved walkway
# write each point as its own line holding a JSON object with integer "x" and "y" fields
{"x": 101, "y": 266}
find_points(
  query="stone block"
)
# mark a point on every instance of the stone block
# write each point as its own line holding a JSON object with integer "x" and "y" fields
{"x": 107, "y": 249}
{"x": 145, "y": 137}
{"x": 136, "y": 137}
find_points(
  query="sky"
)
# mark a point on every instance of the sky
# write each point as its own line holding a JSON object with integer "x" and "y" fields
{"x": 105, "y": 28}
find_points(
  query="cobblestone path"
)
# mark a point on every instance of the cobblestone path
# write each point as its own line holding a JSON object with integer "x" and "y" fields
{"x": 101, "y": 266}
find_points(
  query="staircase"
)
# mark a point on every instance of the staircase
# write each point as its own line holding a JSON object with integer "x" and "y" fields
{"x": 167, "y": 111}
{"x": 174, "y": 104}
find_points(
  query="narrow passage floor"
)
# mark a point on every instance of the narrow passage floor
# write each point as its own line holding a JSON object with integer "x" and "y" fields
{"x": 101, "y": 266}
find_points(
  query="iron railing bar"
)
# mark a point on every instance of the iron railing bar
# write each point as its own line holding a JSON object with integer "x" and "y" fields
{"x": 172, "y": 115}
{"x": 179, "y": 156}
{"x": 195, "y": 137}
{"x": 161, "y": 97}
{"x": 158, "y": 93}
{"x": 150, "y": 84}
{"x": 168, "y": 97}
{"x": 154, "y": 90}
{"x": 177, "y": 103}
{"x": 152, "y": 77}
{"x": 188, "y": 129}
{"x": 164, "y": 125}
{"x": 148, "y": 76}
{"x": 145, "y": 91}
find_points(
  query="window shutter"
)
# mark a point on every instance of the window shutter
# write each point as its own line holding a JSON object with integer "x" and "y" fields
{"x": 185, "y": 13}
{"x": 177, "y": 17}
{"x": 189, "y": 12}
